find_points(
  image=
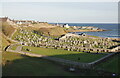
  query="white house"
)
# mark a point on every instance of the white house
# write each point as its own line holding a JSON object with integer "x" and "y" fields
{"x": 19, "y": 22}
{"x": 66, "y": 26}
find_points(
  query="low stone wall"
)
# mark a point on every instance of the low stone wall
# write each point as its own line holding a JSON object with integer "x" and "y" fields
{"x": 103, "y": 59}
{"x": 64, "y": 61}
{"x": 73, "y": 63}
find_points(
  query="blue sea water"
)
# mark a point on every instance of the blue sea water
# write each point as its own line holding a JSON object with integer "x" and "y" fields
{"x": 114, "y": 30}
{"x": 113, "y": 33}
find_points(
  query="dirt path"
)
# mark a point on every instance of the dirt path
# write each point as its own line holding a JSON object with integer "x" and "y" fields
{"x": 19, "y": 48}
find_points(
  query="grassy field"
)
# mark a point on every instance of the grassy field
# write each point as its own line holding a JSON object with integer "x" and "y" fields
{"x": 14, "y": 47}
{"x": 70, "y": 55}
{"x": 18, "y": 65}
{"x": 93, "y": 36}
{"x": 14, "y": 64}
{"x": 111, "y": 65}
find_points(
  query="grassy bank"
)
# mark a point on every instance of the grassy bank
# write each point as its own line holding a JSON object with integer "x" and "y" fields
{"x": 7, "y": 29}
{"x": 55, "y": 31}
{"x": 14, "y": 47}
{"x": 112, "y": 65}
{"x": 17, "y": 65}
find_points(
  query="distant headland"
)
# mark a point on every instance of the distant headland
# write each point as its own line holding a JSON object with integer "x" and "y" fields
{"x": 66, "y": 27}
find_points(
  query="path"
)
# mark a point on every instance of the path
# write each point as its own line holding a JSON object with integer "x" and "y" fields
{"x": 10, "y": 39}
{"x": 13, "y": 33}
{"x": 19, "y": 48}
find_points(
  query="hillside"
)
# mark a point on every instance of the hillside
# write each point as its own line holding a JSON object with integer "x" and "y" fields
{"x": 7, "y": 29}
{"x": 39, "y": 25}
{"x": 55, "y": 31}
{"x": 4, "y": 41}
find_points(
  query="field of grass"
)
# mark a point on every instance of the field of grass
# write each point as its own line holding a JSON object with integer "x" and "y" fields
{"x": 70, "y": 55}
{"x": 14, "y": 47}
{"x": 112, "y": 65}
{"x": 14, "y": 64}
{"x": 94, "y": 36}
{"x": 17, "y": 65}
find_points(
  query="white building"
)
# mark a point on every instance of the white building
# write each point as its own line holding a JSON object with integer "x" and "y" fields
{"x": 19, "y": 22}
{"x": 66, "y": 26}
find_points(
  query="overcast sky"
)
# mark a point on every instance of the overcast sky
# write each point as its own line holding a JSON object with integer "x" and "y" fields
{"x": 66, "y": 12}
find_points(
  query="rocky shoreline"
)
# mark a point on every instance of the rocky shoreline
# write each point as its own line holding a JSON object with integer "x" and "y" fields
{"x": 68, "y": 28}
{"x": 87, "y": 30}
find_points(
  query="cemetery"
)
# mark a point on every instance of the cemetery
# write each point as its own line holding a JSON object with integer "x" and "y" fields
{"x": 70, "y": 42}
{"x": 73, "y": 47}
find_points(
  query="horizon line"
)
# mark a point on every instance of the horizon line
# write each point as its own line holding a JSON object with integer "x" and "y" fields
{"x": 58, "y": 22}
{"x": 87, "y": 22}
{"x": 60, "y": 1}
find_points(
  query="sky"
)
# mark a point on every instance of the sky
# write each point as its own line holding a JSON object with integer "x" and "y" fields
{"x": 60, "y": 0}
{"x": 62, "y": 12}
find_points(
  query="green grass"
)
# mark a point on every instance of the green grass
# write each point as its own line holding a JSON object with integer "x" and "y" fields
{"x": 14, "y": 64}
{"x": 56, "y": 31}
{"x": 70, "y": 55}
{"x": 4, "y": 41}
{"x": 14, "y": 47}
{"x": 17, "y": 65}
{"x": 111, "y": 65}
{"x": 94, "y": 36}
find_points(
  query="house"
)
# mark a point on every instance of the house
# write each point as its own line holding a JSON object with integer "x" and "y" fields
{"x": 95, "y": 28}
{"x": 19, "y": 22}
{"x": 66, "y": 26}
{"x": 82, "y": 34}
{"x": 83, "y": 27}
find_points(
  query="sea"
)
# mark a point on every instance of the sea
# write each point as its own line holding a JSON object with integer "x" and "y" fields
{"x": 114, "y": 31}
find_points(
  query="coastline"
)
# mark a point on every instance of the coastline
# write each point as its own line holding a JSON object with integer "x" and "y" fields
{"x": 86, "y": 30}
